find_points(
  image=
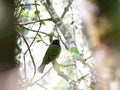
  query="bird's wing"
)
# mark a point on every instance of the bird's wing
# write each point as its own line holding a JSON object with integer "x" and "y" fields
{"x": 46, "y": 57}
{"x": 51, "y": 54}
{"x": 55, "y": 51}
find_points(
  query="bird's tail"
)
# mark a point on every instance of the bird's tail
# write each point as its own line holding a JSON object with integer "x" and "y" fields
{"x": 41, "y": 68}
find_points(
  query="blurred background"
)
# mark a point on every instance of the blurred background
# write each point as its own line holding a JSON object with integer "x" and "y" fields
{"x": 88, "y": 31}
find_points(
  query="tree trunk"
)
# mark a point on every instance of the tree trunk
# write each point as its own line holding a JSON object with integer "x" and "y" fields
{"x": 8, "y": 69}
{"x": 102, "y": 30}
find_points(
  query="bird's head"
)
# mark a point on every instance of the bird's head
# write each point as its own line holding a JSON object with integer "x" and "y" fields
{"x": 56, "y": 42}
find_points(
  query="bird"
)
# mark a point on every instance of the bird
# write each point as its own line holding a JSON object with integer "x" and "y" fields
{"x": 51, "y": 54}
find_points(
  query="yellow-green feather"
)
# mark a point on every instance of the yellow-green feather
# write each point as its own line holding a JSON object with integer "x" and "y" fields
{"x": 51, "y": 54}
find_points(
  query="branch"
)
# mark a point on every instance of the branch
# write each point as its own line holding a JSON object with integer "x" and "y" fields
{"x": 34, "y": 30}
{"x": 41, "y": 77}
{"x": 31, "y": 22}
{"x": 66, "y": 8}
{"x": 42, "y": 86}
{"x": 62, "y": 40}
{"x": 60, "y": 73}
{"x": 29, "y": 52}
{"x": 37, "y": 81}
{"x": 57, "y": 20}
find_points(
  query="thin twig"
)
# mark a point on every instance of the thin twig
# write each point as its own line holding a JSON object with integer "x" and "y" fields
{"x": 59, "y": 23}
{"x": 66, "y": 8}
{"x": 34, "y": 30}
{"x": 31, "y": 22}
{"x": 62, "y": 40}
{"x": 60, "y": 73}
{"x": 36, "y": 82}
{"x": 41, "y": 77}
{"x": 28, "y": 50}
{"x": 64, "y": 12}
{"x": 70, "y": 65}
{"x": 34, "y": 65}
{"x": 42, "y": 86}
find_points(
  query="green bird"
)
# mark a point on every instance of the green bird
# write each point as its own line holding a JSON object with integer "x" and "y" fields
{"x": 51, "y": 54}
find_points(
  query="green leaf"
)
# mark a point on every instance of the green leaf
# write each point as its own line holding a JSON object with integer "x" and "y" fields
{"x": 25, "y": 13}
{"x": 42, "y": 22}
{"x": 38, "y": 41}
{"x": 36, "y": 13}
{"x": 74, "y": 51}
{"x": 18, "y": 48}
{"x": 21, "y": 28}
{"x": 39, "y": 36}
{"x": 83, "y": 77}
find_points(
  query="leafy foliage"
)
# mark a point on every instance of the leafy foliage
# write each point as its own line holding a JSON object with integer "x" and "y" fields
{"x": 37, "y": 25}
